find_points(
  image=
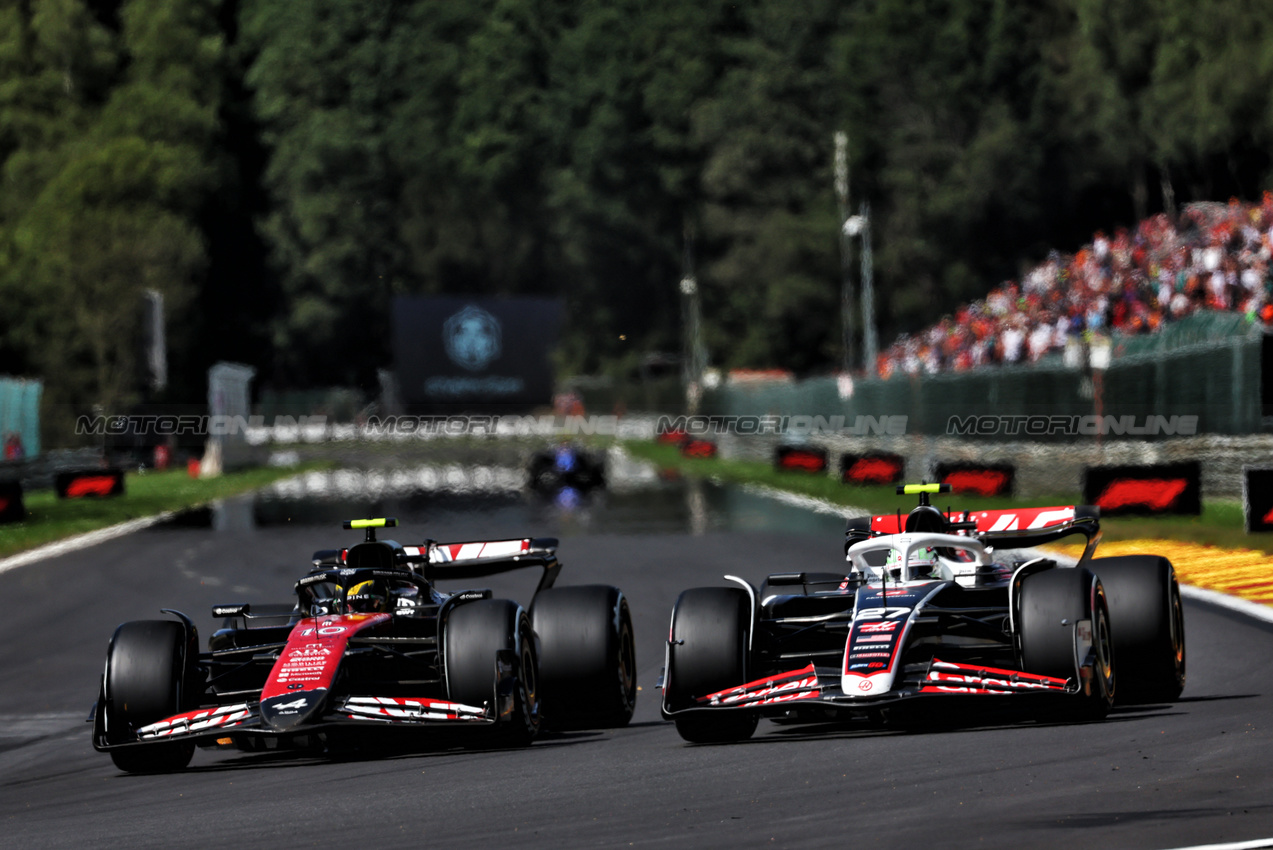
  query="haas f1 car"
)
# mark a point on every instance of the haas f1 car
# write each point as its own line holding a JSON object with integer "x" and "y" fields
{"x": 936, "y": 605}
{"x": 372, "y": 644}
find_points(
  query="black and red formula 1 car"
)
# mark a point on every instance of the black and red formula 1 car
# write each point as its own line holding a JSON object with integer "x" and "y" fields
{"x": 372, "y": 644}
{"x": 933, "y": 606}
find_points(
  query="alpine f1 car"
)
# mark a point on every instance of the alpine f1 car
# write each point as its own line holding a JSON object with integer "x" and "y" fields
{"x": 934, "y": 606}
{"x": 372, "y": 644}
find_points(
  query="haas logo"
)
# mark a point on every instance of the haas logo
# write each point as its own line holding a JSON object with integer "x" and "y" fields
{"x": 472, "y": 338}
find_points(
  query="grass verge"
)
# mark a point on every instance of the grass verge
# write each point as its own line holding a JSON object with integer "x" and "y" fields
{"x": 1221, "y": 522}
{"x": 50, "y": 518}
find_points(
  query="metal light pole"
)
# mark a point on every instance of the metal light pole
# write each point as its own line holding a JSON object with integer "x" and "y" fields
{"x": 692, "y": 321}
{"x": 846, "y": 250}
{"x": 870, "y": 346}
{"x": 860, "y": 225}
{"x": 156, "y": 341}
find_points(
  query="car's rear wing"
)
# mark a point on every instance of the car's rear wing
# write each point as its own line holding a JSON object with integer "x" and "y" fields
{"x": 1013, "y": 528}
{"x": 456, "y": 561}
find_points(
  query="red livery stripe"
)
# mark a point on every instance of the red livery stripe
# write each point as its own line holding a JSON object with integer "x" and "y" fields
{"x": 314, "y": 651}
{"x": 1014, "y": 519}
{"x": 777, "y": 688}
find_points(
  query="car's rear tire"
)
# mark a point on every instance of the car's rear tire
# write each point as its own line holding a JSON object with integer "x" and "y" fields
{"x": 1150, "y": 640}
{"x": 1050, "y": 603}
{"x": 475, "y": 633}
{"x": 708, "y": 653}
{"x": 145, "y": 678}
{"x": 1144, "y": 600}
{"x": 587, "y": 657}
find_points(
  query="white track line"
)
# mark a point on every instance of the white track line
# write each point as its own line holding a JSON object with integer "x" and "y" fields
{"x": 1242, "y": 606}
{"x": 81, "y": 541}
{"x": 809, "y": 503}
{"x": 1237, "y": 845}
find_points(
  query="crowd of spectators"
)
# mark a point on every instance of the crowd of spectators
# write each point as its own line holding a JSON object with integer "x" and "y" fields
{"x": 1213, "y": 257}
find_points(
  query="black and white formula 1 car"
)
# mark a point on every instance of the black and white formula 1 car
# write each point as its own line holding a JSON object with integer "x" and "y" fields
{"x": 931, "y": 606}
{"x": 373, "y": 644}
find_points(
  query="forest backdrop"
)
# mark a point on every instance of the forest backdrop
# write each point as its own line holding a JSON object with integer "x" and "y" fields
{"x": 279, "y": 170}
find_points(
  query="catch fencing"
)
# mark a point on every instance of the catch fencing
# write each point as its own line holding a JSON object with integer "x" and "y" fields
{"x": 1217, "y": 367}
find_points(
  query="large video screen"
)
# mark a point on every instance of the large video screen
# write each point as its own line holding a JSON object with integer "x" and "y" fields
{"x": 461, "y": 353}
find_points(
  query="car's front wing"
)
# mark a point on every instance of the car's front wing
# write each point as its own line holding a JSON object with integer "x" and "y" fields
{"x": 773, "y": 694}
{"x": 245, "y": 719}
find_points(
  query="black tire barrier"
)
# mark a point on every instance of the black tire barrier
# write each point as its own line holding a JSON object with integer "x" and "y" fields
{"x": 1257, "y": 499}
{"x": 89, "y": 483}
{"x": 812, "y": 459}
{"x": 1171, "y": 488}
{"x": 872, "y": 468}
{"x": 11, "y": 506}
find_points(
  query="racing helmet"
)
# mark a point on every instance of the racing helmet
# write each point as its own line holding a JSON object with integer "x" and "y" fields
{"x": 564, "y": 458}
{"x": 367, "y": 597}
{"x": 923, "y": 562}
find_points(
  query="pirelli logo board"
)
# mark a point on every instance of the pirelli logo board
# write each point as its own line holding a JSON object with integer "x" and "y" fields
{"x": 90, "y": 482}
{"x": 977, "y": 479}
{"x": 872, "y": 468}
{"x": 1173, "y": 488}
{"x": 11, "y": 507}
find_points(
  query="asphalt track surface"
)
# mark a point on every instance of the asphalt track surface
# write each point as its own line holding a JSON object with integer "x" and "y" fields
{"x": 1194, "y": 772}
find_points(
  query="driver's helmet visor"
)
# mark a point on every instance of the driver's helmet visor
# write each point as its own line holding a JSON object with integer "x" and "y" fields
{"x": 366, "y": 597}
{"x": 922, "y": 561}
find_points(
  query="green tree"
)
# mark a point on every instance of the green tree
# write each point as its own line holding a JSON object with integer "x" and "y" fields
{"x": 326, "y": 95}
{"x": 1207, "y": 99}
{"x": 111, "y": 179}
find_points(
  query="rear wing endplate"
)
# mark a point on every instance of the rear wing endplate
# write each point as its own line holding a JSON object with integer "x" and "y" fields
{"x": 1014, "y": 528}
{"x": 456, "y": 561}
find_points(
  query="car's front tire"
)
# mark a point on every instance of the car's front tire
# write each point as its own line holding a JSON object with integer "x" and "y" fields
{"x": 1051, "y": 603}
{"x": 145, "y": 675}
{"x": 476, "y": 632}
{"x": 709, "y": 653}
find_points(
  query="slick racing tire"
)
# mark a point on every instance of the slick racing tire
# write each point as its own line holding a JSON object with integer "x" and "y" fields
{"x": 587, "y": 657}
{"x": 475, "y": 633}
{"x": 1144, "y": 601}
{"x": 145, "y": 675}
{"x": 708, "y": 653}
{"x": 1050, "y": 604}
